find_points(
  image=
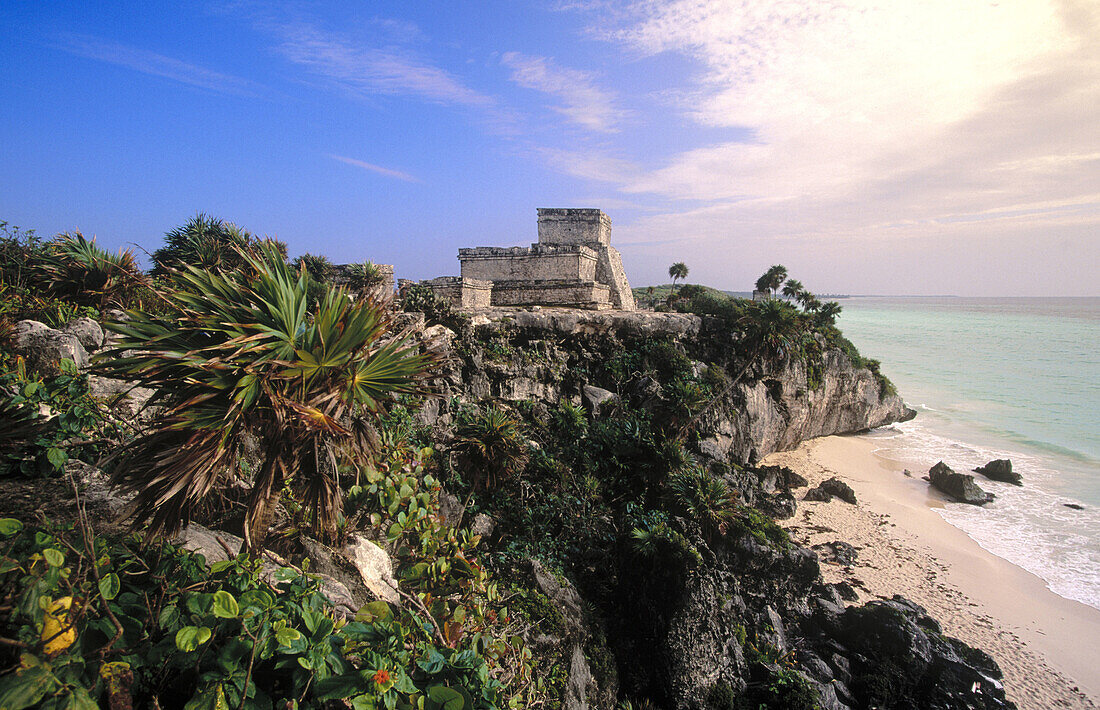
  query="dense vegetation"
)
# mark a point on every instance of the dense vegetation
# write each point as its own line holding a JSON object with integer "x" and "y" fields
{"x": 264, "y": 378}
{"x": 304, "y": 397}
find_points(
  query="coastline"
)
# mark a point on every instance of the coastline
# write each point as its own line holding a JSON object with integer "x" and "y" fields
{"x": 1044, "y": 643}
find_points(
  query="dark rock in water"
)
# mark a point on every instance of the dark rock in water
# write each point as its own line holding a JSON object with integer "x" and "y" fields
{"x": 1075, "y": 506}
{"x": 1000, "y": 470}
{"x": 838, "y": 552}
{"x": 959, "y": 486}
{"x": 832, "y": 487}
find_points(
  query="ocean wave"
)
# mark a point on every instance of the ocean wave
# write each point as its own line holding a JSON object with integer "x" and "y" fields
{"x": 1030, "y": 526}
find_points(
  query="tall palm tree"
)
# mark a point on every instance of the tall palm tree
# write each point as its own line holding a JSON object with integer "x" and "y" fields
{"x": 827, "y": 313}
{"x": 792, "y": 289}
{"x": 677, "y": 271}
{"x": 772, "y": 279}
{"x": 245, "y": 357}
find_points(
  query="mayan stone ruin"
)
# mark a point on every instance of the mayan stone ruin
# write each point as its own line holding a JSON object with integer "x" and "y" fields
{"x": 572, "y": 265}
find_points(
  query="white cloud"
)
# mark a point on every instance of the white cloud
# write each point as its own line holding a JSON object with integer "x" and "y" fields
{"x": 154, "y": 64}
{"x": 376, "y": 168}
{"x": 583, "y": 102}
{"x": 872, "y": 122}
{"x": 368, "y": 70}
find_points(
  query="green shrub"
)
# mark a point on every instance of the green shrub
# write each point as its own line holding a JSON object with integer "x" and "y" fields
{"x": 47, "y": 419}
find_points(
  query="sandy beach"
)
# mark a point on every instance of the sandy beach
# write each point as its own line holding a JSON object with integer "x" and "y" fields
{"x": 1047, "y": 646}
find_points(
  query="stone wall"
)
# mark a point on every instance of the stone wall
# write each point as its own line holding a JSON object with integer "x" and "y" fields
{"x": 609, "y": 270}
{"x": 537, "y": 263}
{"x": 574, "y": 226}
{"x": 462, "y": 292}
{"x": 567, "y": 292}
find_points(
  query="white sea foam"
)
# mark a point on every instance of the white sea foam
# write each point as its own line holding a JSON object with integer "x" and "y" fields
{"x": 1029, "y": 526}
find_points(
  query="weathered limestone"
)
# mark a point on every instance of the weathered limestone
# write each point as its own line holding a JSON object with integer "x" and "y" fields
{"x": 573, "y": 264}
{"x": 463, "y": 291}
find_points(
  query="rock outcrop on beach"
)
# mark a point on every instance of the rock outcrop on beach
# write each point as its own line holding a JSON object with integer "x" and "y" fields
{"x": 828, "y": 489}
{"x": 1000, "y": 470}
{"x": 959, "y": 486}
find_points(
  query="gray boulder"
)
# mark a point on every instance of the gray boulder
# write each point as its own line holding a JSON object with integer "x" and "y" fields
{"x": 375, "y": 567}
{"x": 596, "y": 397}
{"x": 87, "y": 331}
{"x": 44, "y": 348}
{"x": 205, "y": 542}
{"x": 1000, "y": 470}
{"x": 959, "y": 486}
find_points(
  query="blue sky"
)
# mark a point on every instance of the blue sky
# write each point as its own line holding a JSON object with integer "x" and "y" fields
{"x": 871, "y": 147}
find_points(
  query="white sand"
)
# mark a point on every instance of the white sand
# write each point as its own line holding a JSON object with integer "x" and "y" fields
{"x": 1047, "y": 646}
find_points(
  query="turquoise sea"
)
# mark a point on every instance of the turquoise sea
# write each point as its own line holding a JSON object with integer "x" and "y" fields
{"x": 1015, "y": 378}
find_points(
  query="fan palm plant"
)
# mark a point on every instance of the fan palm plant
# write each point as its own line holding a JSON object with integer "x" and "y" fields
{"x": 491, "y": 446}
{"x": 705, "y": 499}
{"x": 210, "y": 243}
{"x": 366, "y": 278}
{"x": 246, "y": 356}
{"x": 82, "y": 272}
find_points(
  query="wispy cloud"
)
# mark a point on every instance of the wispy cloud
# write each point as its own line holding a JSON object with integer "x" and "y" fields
{"x": 154, "y": 64}
{"x": 397, "y": 174}
{"x": 369, "y": 70}
{"x": 582, "y": 101}
{"x": 870, "y": 121}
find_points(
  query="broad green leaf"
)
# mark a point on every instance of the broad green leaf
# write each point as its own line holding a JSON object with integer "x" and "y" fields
{"x": 448, "y": 698}
{"x": 375, "y": 611}
{"x": 337, "y": 687}
{"x": 78, "y": 699}
{"x": 9, "y": 526}
{"x": 286, "y": 636}
{"x": 191, "y": 637}
{"x": 57, "y": 457}
{"x": 109, "y": 586}
{"x": 54, "y": 557}
{"x": 225, "y": 606}
{"x": 208, "y": 699}
{"x": 26, "y": 687}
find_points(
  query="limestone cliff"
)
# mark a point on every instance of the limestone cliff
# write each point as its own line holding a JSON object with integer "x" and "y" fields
{"x": 549, "y": 355}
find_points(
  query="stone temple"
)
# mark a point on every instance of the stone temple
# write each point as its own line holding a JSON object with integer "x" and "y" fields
{"x": 573, "y": 265}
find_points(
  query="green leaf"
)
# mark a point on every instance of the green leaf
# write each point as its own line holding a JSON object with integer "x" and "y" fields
{"x": 78, "y": 699}
{"x": 57, "y": 457}
{"x": 9, "y": 526}
{"x": 448, "y": 698}
{"x": 191, "y": 637}
{"x": 26, "y": 687}
{"x": 225, "y": 606}
{"x": 109, "y": 586}
{"x": 337, "y": 687}
{"x": 54, "y": 557}
{"x": 208, "y": 699}
{"x": 286, "y": 636}
{"x": 375, "y": 611}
